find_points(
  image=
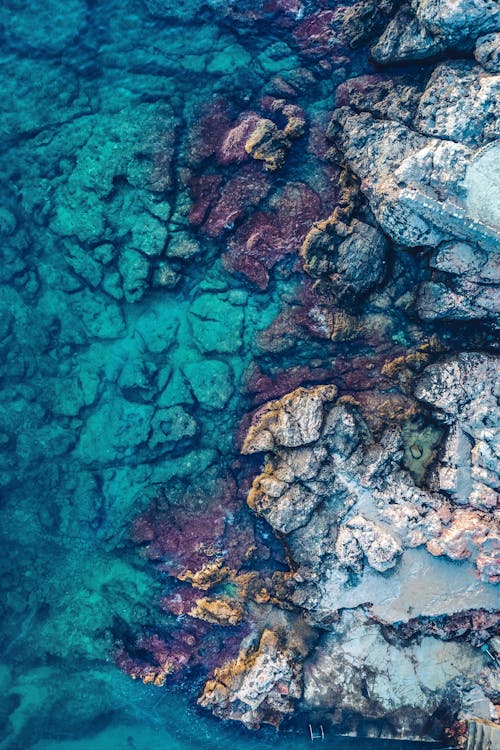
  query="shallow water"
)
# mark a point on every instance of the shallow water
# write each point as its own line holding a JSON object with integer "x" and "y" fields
{"x": 112, "y": 383}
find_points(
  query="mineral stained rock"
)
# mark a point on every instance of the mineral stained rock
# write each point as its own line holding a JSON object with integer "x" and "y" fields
{"x": 352, "y": 258}
{"x": 362, "y": 539}
{"x": 260, "y": 685}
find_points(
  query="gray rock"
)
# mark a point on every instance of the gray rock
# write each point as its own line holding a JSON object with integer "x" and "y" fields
{"x": 360, "y": 672}
{"x": 458, "y": 299}
{"x": 460, "y": 103}
{"x": 349, "y": 258}
{"x": 464, "y": 390}
{"x": 482, "y": 185}
{"x": 487, "y": 52}
{"x": 361, "y": 261}
{"x": 458, "y": 22}
{"x": 467, "y": 260}
{"x": 419, "y": 188}
{"x": 294, "y": 420}
{"x": 406, "y": 39}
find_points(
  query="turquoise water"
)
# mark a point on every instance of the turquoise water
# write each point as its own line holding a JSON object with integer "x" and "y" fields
{"x": 127, "y": 346}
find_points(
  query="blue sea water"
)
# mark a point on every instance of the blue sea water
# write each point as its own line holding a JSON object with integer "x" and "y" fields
{"x": 123, "y": 364}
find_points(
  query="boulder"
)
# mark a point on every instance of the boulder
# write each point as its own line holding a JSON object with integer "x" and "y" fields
{"x": 406, "y": 39}
{"x": 461, "y": 102}
{"x": 294, "y": 420}
{"x": 487, "y": 52}
{"x": 260, "y": 686}
{"x": 350, "y": 258}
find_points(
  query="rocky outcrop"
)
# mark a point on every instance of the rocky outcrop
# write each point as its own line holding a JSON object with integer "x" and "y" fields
{"x": 431, "y": 178}
{"x": 350, "y": 258}
{"x": 417, "y": 187}
{"x": 347, "y": 506}
{"x": 464, "y": 393}
{"x": 377, "y": 560}
{"x": 260, "y": 686}
{"x": 295, "y": 420}
{"x": 425, "y": 28}
{"x": 367, "y": 676}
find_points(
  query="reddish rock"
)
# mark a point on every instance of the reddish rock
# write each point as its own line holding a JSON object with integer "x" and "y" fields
{"x": 318, "y": 35}
{"x": 354, "y": 86}
{"x": 290, "y": 7}
{"x": 181, "y": 601}
{"x": 208, "y": 132}
{"x": 275, "y": 385}
{"x": 232, "y": 146}
{"x": 267, "y": 237}
{"x": 190, "y": 533}
{"x": 152, "y": 659}
{"x": 204, "y": 190}
{"x": 283, "y": 332}
{"x": 242, "y": 192}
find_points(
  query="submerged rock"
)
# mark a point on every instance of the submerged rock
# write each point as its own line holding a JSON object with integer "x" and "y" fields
{"x": 268, "y": 144}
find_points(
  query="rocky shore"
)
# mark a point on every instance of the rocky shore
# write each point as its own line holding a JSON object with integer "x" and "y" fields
{"x": 383, "y": 496}
{"x": 250, "y": 327}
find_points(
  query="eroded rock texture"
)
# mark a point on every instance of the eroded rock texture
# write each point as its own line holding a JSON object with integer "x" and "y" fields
{"x": 374, "y": 547}
{"x": 365, "y": 542}
{"x": 380, "y": 483}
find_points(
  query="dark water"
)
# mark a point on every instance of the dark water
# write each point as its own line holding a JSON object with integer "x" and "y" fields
{"x": 115, "y": 381}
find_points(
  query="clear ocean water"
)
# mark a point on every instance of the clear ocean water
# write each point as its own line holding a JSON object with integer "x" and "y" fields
{"x": 123, "y": 364}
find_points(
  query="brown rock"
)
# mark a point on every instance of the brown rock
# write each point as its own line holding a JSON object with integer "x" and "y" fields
{"x": 296, "y": 419}
{"x": 258, "y": 686}
{"x": 220, "y": 611}
{"x": 268, "y": 144}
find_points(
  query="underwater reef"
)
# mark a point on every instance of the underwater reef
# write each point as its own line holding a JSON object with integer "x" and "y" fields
{"x": 249, "y": 375}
